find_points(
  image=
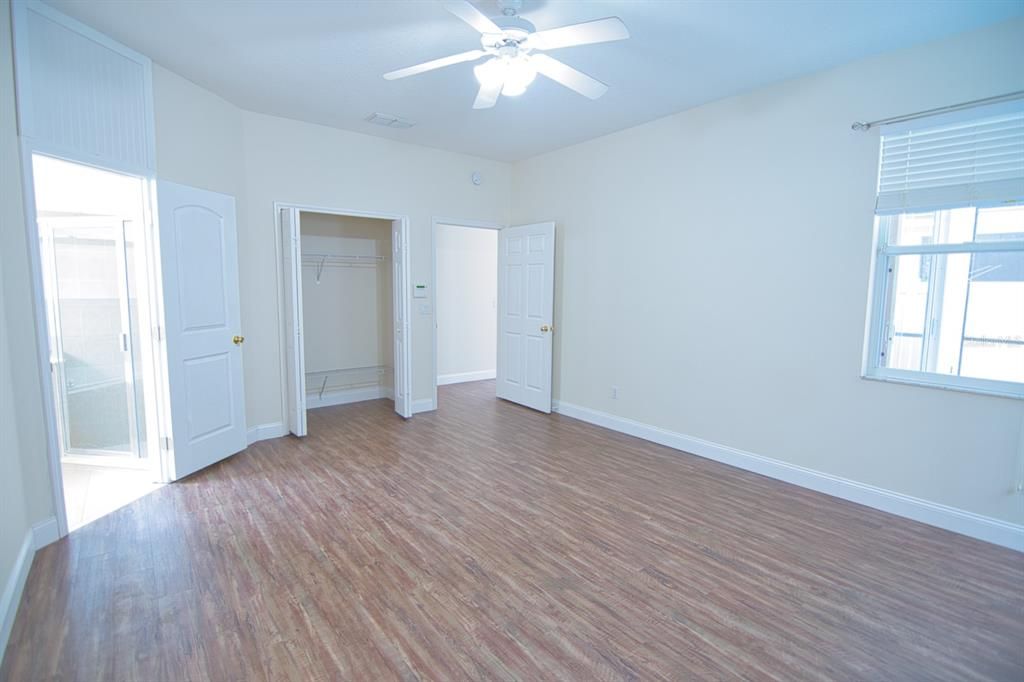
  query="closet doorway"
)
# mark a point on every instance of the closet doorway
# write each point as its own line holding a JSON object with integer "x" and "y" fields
{"x": 346, "y": 310}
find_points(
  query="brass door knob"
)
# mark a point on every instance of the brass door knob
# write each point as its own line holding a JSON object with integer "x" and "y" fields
{"x": 238, "y": 340}
{"x": 545, "y": 328}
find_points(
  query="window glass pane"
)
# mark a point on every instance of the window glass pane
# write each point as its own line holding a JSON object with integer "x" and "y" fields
{"x": 935, "y": 227}
{"x": 905, "y": 352}
{"x": 1004, "y": 222}
{"x": 994, "y": 323}
{"x": 909, "y": 277}
{"x": 959, "y": 314}
{"x": 999, "y": 361}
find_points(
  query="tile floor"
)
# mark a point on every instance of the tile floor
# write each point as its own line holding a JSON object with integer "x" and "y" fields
{"x": 94, "y": 491}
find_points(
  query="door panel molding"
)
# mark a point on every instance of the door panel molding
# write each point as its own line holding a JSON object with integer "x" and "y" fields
{"x": 526, "y": 286}
{"x": 202, "y": 315}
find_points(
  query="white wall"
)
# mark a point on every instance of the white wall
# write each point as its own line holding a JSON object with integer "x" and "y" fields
{"x": 205, "y": 141}
{"x": 307, "y": 164}
{"x": 25, "y": 496}
{"x": 467, "y": 294}
{"x": 714, "y": 266}
{"x": 347, "y": 315}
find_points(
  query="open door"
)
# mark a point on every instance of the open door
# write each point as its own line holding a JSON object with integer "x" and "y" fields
{"x": 403, "y": 351}
{"x": 291, "y": 247}
{"x": 526, "y": 296}
{"x": 199, "y": 263}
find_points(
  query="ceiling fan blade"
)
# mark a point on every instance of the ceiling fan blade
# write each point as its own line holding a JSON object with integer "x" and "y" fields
{"x": 569, "y": 77}
{"x": 435, "y": 64}
{"x": 472, "y": 16}
{"x": 487, "y": 97}
{"x": 597, "y": 31}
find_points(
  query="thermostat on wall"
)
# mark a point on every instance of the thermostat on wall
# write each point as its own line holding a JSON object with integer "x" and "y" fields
{"x": 419, "y": 291}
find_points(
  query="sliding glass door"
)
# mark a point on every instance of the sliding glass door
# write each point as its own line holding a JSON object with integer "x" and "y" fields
{"x": 92, "y": 337}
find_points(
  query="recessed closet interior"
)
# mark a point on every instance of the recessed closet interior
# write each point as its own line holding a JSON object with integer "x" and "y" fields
{"x": 346, "y": 307}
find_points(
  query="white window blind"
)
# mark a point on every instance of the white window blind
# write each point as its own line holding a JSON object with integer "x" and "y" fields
{"x": 933, "y": 164}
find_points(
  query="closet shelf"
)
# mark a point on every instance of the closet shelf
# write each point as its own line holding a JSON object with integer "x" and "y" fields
{"x": 350, "y": 377}
{"x": 322, "y": 260}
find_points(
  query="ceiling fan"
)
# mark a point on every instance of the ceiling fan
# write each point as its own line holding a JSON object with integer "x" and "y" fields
{"x": 514, "y": 51}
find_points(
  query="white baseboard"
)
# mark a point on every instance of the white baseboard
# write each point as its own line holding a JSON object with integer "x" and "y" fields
{"x": 265, "y": 432}
{"x": 346, "y": 396}
{"x": 13, "y": 587}
{"x": 461, "y": 377}
{"x": 423, "y": 405}
{"x": 45, "y": 532}
{"x": 950, "y": 518}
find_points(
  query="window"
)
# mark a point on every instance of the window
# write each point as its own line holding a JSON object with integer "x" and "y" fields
{"x": 948, "y": 299}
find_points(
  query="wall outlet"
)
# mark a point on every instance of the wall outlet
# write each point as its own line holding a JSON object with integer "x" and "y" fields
{"x": 615, "y": 392}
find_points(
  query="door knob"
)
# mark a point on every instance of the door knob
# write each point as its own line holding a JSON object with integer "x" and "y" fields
{"x": 238, "y": 340}
{"x": 546, "y": 328}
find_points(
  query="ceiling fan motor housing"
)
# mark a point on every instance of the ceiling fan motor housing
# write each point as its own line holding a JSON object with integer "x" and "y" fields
{"x": 514, "y": 30}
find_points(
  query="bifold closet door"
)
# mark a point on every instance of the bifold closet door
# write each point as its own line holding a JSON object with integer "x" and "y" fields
{"x": 295, "y": 360}
{"x": 199, "y": 263}
{"x": 400, "y": 289}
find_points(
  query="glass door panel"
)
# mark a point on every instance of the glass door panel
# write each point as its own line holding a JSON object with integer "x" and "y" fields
{"x": 92, "y": 337}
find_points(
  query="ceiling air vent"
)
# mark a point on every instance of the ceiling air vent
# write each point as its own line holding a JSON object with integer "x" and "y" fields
{"x": 389, "y": 120}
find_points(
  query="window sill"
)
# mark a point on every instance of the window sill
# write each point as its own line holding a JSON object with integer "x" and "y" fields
{"x": 997, "y": 391}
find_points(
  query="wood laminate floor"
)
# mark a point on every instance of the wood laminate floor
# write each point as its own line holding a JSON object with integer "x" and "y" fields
{"x": 486, "y": 541}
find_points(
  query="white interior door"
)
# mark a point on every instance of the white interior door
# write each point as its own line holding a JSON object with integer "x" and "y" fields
{"x": 291, "y": 247}
{"x": 526, "y": 298}
{"x": 403, "y": 351}
{"x": 199, "y": 263}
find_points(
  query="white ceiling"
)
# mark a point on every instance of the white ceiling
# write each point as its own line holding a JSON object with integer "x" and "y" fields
{"x": 322, "y": 61}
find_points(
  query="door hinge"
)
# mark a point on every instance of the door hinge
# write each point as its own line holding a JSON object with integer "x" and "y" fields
{"x": 158, "y": 333}
{"x": 165, "y": 443}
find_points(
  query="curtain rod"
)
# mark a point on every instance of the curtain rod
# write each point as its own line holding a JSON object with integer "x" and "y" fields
{"x": 864, "y": 126}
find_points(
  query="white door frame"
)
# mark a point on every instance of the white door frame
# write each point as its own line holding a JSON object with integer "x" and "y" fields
{"x": 457, "y": 222}
{"x": 406, "y": 294}
{"x": 156, "y": 457}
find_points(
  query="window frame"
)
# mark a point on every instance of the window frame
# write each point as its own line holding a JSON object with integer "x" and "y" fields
{"x": 880, "y": 310}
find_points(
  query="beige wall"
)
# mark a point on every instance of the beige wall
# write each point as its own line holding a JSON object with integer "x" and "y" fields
{"x": 14, "y": 522}
{"x": 25, "y": 497}
{"x": 307, "y": 164}
{"x": 467, "y": 293}
{"x": 714, "y": 266}
{"x": 203, "y": 140}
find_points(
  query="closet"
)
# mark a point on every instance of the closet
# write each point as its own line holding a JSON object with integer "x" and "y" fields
{"x": 341, "y": 274}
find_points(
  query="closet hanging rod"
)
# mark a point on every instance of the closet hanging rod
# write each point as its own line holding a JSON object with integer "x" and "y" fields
{"x": 378, "y": 368}
{"x": 320, "y": 260}
{"x": 333, "y": 256}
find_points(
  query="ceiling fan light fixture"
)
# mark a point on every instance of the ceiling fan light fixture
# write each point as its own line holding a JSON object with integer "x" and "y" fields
{"x": 518, "y": 76}
{"x": 515, "y": 52}
{"x": 491, "y": 73}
